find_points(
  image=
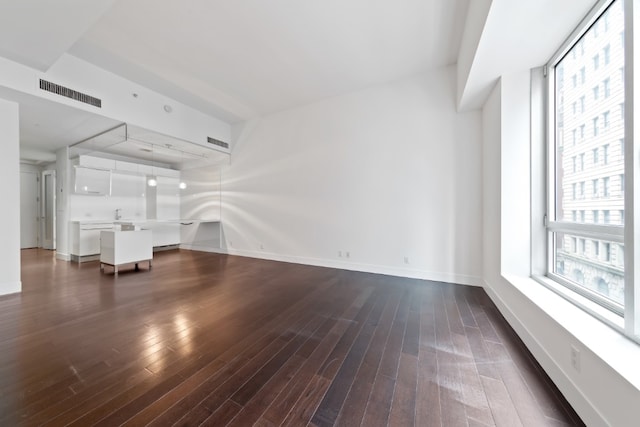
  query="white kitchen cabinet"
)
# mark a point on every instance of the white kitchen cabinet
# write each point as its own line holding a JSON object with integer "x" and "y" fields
{"x": 92, "y": 182}
{"x": 125, "y": 247}
{"x": 85, "y": 238}
{"x": 127, "y": 185}
{"x": 126, "y": 166}
{"x": 164, "y": 233}
{"x": 96, "y": 162}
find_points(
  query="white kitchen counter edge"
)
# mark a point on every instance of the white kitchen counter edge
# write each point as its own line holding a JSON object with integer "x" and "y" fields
{"x": 142, "y": 221}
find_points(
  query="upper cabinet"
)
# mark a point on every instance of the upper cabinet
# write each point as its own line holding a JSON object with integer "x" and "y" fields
{"x": 92, "y": 181}
{"x": 127, "y": 184}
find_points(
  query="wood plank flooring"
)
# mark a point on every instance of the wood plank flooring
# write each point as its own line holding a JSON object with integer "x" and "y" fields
{"x": 208, "y": 339}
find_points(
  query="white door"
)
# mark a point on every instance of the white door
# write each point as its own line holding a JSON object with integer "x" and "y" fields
{"x": 48, "y": 217}
{"x": 29, "y": 215}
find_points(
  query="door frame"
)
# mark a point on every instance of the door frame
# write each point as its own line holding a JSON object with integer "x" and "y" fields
{"x": 48, "y": 244}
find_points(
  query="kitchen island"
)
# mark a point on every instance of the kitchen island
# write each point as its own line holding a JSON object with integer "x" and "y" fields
{"x": 125, "y": 247}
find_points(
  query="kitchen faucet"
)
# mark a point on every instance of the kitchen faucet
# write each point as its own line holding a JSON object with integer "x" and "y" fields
{"x": 118, "y": 216}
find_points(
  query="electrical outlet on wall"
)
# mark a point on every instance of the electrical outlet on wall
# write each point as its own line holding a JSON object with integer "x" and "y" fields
{"x": 339, "y": 254}
{"x": 575, "y": 358}
{"x": 347, "y": 254}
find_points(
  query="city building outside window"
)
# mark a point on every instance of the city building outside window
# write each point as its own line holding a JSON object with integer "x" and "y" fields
{"x": 595, "y": 270}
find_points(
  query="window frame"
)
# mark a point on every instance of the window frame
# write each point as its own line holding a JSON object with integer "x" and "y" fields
{"x": 625, "y": 317}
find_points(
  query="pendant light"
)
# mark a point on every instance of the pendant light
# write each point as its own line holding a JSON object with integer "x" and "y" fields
{"x": 182, "y": 184}
{"x": 152, "y": 181}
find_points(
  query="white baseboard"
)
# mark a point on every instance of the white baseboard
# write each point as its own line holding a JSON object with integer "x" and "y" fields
{"x": 202, "y": 248}
{"x": 63, "y": 257}
{"x": 572, "y": 393}
{"x": 8, "y": 288}
{"x": 354, "y": 266}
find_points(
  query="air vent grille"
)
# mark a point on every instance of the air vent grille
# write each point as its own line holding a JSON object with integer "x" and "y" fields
{"x": 217, "y": 142}
{"x": 70, "y": 93}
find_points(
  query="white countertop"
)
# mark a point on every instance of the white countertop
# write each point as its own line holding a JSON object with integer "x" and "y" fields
{"x": 141, "y": 221}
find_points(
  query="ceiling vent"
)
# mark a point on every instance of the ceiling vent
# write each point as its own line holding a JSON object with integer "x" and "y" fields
{"x": 217, "y": 142}
{"x": 70, "y": 93}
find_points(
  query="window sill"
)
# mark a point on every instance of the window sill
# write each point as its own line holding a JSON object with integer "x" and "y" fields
{"x": 597, "y": 329}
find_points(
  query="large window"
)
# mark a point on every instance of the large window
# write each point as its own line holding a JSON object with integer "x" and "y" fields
{"x": 586, "y": 253}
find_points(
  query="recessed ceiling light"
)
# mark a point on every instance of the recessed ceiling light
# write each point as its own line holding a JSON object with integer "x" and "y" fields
{"x": 167, "y": 108}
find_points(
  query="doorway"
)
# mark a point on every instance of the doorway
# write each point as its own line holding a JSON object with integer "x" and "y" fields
{"x": 29, "y": 209}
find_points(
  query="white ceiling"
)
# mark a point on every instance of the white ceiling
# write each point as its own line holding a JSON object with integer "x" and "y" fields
{"x": 46, "y": 126}
{"x": 31, "y": 32}
{"x": 232, "y": 59}
{"x": 241, "y": 59}
{"x": 516, "y": 36}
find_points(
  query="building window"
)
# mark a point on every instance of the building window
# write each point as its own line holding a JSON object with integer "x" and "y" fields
{"x": 583, "y": 75}
{"x": 620, "y": 255}
{"x": 593, "y": 271}
{"x": 621, "y": 73}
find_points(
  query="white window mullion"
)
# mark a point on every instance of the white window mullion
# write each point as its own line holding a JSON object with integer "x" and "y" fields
{"x": 632, "y": 175}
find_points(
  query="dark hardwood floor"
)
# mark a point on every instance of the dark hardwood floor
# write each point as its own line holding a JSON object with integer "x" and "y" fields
{"x": 221, "y": 340}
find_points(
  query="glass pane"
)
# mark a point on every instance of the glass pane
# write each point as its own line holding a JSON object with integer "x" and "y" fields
{"x": 593, "y": 264}
{"x": 589, "y": 153}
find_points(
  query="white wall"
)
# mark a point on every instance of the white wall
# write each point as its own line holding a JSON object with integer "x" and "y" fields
{"x": 201, "y": 201}
{"x": 389, "y": 172}
{"x": 600, "y": 391}
{"x": 10, "y": 214}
